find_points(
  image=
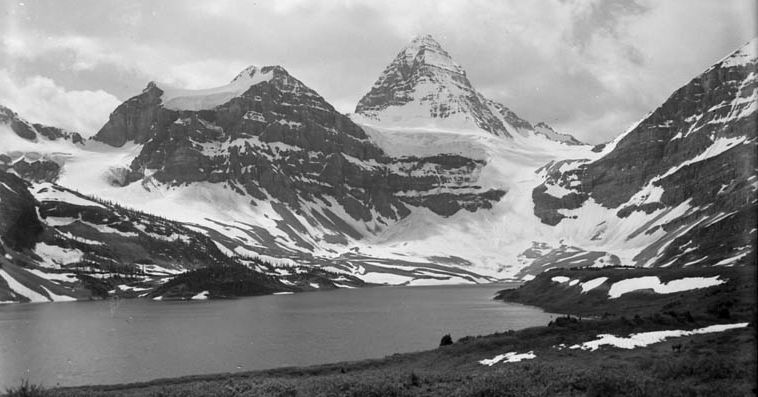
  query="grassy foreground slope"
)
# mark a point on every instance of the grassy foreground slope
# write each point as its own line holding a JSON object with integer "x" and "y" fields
{"x": 721, "y": 364}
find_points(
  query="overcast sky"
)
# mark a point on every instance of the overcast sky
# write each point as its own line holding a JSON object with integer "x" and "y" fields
{"x": 590, "y": 68}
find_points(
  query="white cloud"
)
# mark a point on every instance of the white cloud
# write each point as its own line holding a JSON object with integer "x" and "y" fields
{"x": 592, "y": 66}
{"x": 38, "y": 99}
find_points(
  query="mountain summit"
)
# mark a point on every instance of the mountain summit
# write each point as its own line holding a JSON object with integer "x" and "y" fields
{"x": 424, "y": 87}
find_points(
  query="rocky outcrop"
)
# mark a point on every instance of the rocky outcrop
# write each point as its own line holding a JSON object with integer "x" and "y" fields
{"x": 38, "y": 170}
{"x": 136, "y": 119}
{"x": 548, "y": 132}
{"x": 19, "y": 226}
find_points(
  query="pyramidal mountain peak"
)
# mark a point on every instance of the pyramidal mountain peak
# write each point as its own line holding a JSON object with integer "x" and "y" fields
{"x": 423, "y": 87}
{"x": 425, "y": 51}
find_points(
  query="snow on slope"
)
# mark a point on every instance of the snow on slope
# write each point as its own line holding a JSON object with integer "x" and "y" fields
{"x": 643, "y": 339}
{"x": 183, "y": 99}
{"x": 651, "y": 282}
{"x": 492, "y": 239}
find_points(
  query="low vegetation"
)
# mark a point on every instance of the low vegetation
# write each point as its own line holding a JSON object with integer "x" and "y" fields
{"x": 227, "y": 281}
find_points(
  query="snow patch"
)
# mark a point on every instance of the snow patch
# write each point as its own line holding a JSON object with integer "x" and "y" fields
{"x": 510, "y": 357}
{"x": 648, "y": 338}
{"x": 592, "y": 284}
{"x": 652, "y": 282}
{"x": 201, "y": 296}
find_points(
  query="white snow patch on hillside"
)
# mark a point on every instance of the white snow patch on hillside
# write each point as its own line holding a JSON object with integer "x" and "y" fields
{"x": 652, "y": 282}
{"x": 560, "y": 279}
{"x": 647, "y": 338}
{"x": 592, "y": 284}
{"x": 54, "y": 256}
{"x": 59, "y": 221}
{"x": 510, "y": 357}
{"x": 201, "y": 296}
{"x": 438, "y": 281}
{"x": 385, "y": 278}
{"x": 729, "y": 261}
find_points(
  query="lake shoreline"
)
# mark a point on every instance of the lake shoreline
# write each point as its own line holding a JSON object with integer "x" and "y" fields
{"x": 692, "y": 363}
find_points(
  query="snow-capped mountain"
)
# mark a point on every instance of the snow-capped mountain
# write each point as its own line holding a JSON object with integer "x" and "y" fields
{"x": 679, "y": 187}
{"x": 423, "y": 87}
{"x": 266, "y": 168}
{"x": 429, "y": 182}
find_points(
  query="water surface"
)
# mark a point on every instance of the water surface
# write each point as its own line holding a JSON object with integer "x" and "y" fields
{"x": 136, "y": 340}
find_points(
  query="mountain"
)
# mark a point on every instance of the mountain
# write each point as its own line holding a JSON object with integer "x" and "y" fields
{"x": 680, "y": 185}
{"x": 264, "y": 173}
{"x": 423, "y": 87}
{"x": 266, "y": 168}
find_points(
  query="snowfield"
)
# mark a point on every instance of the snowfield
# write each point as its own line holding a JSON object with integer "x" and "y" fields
{"x": 510, "y": 357}
{"x": 647, "y": 338}
{"x": 651, "y": 282}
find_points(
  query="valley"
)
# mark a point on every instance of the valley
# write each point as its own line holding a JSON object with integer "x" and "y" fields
{"x": 440, "y": 186}
{"x": 253, "y": 225}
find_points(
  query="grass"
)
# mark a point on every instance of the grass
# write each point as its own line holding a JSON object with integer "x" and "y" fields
{"x": 707, "y": 366}
{"x": 723, "y": 363}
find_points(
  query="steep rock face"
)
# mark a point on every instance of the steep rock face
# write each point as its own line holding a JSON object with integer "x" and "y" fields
{"x": 694, "y": 156}
{"x": 19, "y": 226}
{"x": 134, "y": 120}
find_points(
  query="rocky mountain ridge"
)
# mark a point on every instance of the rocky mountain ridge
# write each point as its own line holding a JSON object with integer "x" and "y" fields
{"x": 690, "y": 164}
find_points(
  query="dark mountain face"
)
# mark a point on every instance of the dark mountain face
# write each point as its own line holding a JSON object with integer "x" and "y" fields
{"x": 19, "y": 226}
{"x": 697, "y": 150}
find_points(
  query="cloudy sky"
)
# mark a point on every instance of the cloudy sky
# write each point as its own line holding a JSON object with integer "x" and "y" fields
{"x": 587, "y": 67}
